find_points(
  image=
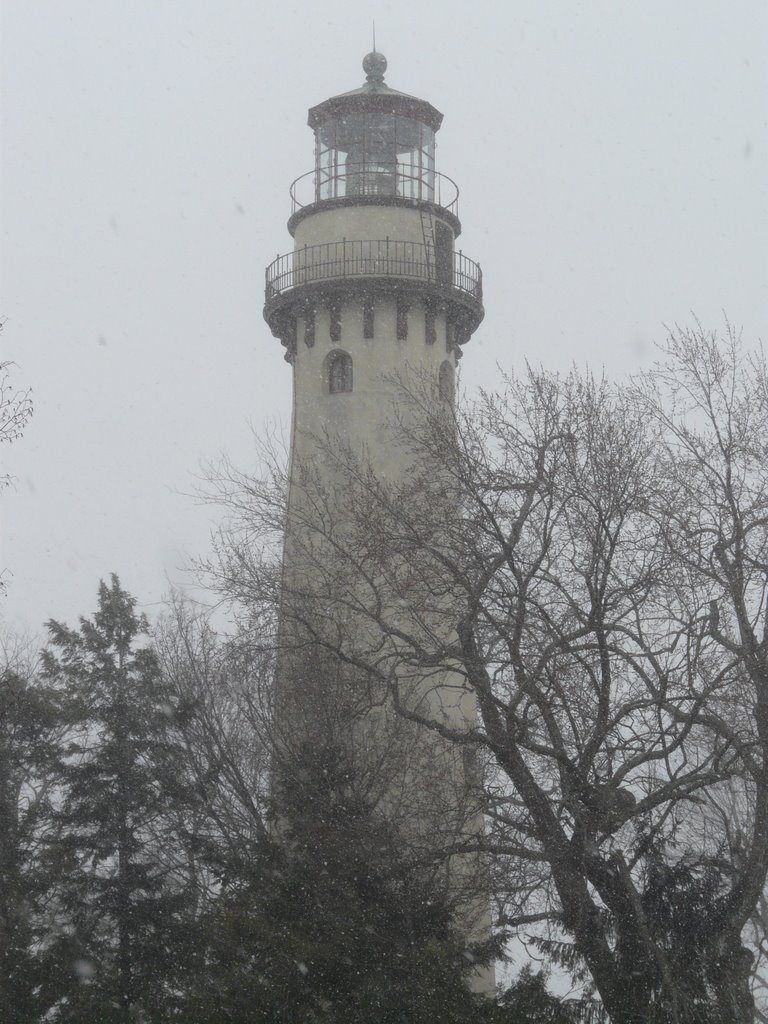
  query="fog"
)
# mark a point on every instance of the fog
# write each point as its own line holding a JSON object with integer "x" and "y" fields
{"x": 612, "y": 161}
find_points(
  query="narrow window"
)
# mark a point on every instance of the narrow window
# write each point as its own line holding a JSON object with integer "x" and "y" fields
{"x": 335, "y": 311}
{"x": 443, "y": 254}
{"x": 445, "y": 381}
{"x": 473, "y": 776}
{"x": 367, "y": 317}
{"x": 452, "y": 335}
{"x": 402, "y": 319}
{"x": 430, "y": 328}
{"x": 309, "y": 327}
{"x": 339, "y": 372}
{"x": 289, "y": 336}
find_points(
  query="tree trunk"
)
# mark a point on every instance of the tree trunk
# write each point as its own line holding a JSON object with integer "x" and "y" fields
{"x": 124, "y": 943}
{"x": 730, "y": 973}
{"x": 124, "y": 965}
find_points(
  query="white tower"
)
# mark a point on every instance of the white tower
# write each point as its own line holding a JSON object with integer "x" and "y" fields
{"x": 373, "y": 282}
{"x": 372, "y": 292}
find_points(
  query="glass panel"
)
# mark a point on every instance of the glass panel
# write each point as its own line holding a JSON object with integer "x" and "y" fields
{"x": 374, "y": 154}
{"x": 415, "y": 146}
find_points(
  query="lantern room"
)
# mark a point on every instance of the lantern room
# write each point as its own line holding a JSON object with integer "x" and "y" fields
{"x": 375, "y": 141}
{"x": 373, "y": 222}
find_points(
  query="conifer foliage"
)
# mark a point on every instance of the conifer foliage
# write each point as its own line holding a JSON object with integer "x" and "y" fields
{"x": 29, "y": 756}
{"x": 117, "y": 898}
{"x": 128, "y": 897}
{"x": 331, "y": 922}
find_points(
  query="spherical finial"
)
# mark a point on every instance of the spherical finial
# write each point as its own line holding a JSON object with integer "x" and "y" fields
{"x": 374, "y": 66}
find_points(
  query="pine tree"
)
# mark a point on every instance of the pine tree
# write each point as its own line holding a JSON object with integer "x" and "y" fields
{"x": 122, "y": 904}
{"x": 330, "y": 921}
{"x": 30, "y": 730}
{"x": 528, "y": 1001}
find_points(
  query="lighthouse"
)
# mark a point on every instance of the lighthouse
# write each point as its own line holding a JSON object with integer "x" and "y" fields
{"x": 373, "y": 282}
{"x": 373, "y": 296}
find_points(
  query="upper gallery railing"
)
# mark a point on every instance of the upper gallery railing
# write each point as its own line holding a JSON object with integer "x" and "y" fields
{"x": 347, "y": 181}
{"x": 374, "y": 258}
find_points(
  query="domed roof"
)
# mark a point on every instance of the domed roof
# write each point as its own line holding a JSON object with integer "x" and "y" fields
{"x": 375, "y": 96}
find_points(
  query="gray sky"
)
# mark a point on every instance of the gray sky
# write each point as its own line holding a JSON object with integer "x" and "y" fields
{"x": 613, "y": 166}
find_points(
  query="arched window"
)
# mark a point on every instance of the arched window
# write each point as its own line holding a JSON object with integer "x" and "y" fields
{"x": 445, "y": 382}
{"x": 339, "y": 372}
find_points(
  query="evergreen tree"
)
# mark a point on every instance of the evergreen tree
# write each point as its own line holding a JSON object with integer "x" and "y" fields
{"x": 329, "y": 921}
{"x": 31, "y": 978}
{"x": 122, "y": 903}
{"x": 528, "y": 1001}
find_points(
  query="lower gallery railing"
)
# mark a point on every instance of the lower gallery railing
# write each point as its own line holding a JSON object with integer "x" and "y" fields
{"x": 374, "y": 258}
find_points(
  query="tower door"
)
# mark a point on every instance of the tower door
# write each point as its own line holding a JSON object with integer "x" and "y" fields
{"x": 443, "y": 254}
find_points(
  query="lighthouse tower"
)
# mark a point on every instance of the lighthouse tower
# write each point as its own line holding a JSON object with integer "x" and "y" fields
{"x": 372, "y": 295}
{"x": 374, "y": 282}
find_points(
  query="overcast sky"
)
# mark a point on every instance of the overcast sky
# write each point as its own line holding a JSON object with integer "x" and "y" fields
{"x": 613, "y": 165}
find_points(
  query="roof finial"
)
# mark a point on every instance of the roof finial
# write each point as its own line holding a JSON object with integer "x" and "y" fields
{"x": 374, "y": 65}
{"x": 374, "y": 37}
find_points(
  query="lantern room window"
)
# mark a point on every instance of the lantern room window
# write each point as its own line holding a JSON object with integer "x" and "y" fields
{"x": 374, "y": 154}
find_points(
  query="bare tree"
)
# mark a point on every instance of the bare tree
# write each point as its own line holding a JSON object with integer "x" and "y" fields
{"x": 757, "y": 938}
{"x": 726, "y": 815}
{"x": 15, "y": 412}
{"x": 220, "y": 706}
{"x": 15, "y": 406}
{"x": 590, "y": 562}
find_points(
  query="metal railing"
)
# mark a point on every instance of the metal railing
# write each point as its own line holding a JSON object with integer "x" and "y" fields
{"x": 404, "y": 181}
{"x": 376, "y": 258}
